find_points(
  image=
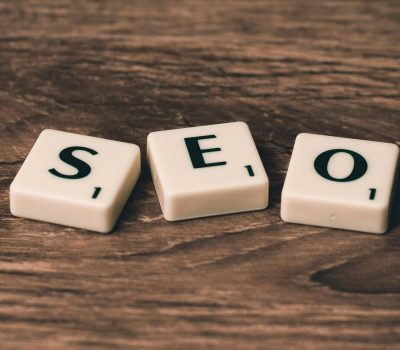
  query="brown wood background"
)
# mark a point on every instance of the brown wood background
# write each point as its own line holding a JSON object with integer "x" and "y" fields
{"x": 120, "y": 69}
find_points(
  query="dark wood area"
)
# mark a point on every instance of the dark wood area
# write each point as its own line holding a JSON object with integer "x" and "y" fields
{"x": 121, "y": 69}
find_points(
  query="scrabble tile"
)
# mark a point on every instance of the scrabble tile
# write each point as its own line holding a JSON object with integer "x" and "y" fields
{"x": 75, "y": 180}
{"x": 340, "y": 183}
{"x": 207, "y": 170}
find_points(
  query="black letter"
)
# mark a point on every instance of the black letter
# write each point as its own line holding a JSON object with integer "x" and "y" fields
{"x": 67, "y": 157}
{"x": 359, "y": 169}
{"x": 196, "y": 153}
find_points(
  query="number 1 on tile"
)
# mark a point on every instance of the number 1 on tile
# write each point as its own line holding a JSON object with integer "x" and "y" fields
{"x": 249, "y": 170}
{"x": 96, "y": 192}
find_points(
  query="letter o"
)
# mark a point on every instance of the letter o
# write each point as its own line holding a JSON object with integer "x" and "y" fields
{"x": 359, "y": 169}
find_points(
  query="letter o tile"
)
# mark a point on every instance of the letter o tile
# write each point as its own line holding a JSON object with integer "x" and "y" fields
{"x": 340, "y": 182}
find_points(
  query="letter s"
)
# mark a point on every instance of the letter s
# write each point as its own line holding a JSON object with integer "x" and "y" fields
{"x": 66, "y": 155}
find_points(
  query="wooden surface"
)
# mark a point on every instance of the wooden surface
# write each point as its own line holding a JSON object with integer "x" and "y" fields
{"x": 120, "y": 69}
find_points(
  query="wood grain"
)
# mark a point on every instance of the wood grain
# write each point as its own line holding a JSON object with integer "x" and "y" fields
{"x": 120, "y": 69}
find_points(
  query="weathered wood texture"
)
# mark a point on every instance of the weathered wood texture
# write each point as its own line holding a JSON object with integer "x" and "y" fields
{"x": 120, "y": 69}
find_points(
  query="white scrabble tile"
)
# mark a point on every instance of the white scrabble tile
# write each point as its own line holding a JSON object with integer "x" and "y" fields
{"x": 207, "y": 170}
{"x": 340, "y": 183}
{"x": 75, "y": 180}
